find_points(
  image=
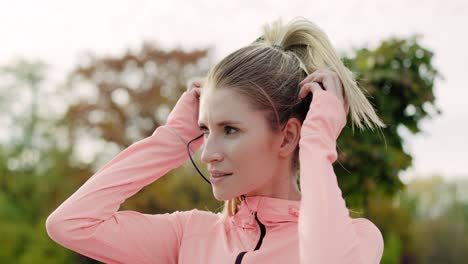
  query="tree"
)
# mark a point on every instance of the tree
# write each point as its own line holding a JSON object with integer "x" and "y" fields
{"x": 130, "y": 96}
{"x": 35, "y": 172}
{"x": 398, "y": 76}
{"x": 438, "y": 232}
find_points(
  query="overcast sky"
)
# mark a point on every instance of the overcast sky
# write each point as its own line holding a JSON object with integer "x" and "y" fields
{"x": 59, "y": 31}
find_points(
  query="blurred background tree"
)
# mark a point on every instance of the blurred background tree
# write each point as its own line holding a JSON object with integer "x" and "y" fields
{"x": 35, "y": 172}
{"x": 111, "y": 102}
{"x": 119, "y": 100}
{"x": 399, "y": 77}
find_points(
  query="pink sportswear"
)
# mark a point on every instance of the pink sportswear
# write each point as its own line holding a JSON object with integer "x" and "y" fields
{"x": 317, "y": 229}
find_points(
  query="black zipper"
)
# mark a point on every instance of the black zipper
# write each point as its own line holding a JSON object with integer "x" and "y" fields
{"x": 259, "y": 243}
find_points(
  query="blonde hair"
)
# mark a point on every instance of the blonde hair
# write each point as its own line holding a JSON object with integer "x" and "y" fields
{"x": 267, "y": 72}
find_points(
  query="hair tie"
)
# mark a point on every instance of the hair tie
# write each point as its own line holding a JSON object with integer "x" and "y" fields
{"x": 278, "y": 47}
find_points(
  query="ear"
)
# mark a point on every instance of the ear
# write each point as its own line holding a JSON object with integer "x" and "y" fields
{"x": 290, "y": 135}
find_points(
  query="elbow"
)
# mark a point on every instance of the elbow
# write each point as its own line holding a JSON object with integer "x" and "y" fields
{"x": 373, "y": 256}
{"x": 372, "y": 244}
{"x": 57, "y": 228}
{"x": 379, "y": 247}
{"x": 54, "y": 228}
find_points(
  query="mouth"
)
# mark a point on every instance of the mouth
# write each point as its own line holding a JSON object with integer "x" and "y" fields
{"x": 217, "y": 178}
{"x": 219, "y": 175}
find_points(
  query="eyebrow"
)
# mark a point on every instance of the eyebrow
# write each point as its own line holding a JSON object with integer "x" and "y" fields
{"x": 226, "y": 122}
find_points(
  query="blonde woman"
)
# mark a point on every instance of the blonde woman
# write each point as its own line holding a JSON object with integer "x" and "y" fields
{"x": 265, "y": 114}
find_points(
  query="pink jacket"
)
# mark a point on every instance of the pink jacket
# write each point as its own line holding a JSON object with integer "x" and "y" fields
{"x": 317, "y": 229}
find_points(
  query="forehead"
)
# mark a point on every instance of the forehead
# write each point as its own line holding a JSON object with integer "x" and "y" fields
{"x": 219, "y": 104}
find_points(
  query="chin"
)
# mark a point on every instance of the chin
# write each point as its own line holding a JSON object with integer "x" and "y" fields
{"x": 225, "y": 196}
{"x": 222, "y": 196}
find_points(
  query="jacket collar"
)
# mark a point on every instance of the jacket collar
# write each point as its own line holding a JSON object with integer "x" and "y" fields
{"x": 270, "y": 211}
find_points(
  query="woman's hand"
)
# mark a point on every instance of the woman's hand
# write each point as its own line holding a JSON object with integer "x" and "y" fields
{"x": 330, "y": 81}
{"x": 183, "y": 118}
{"x": 195, "y": 85}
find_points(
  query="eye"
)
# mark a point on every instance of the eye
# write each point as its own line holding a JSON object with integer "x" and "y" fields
{"x": 227, "y": 129}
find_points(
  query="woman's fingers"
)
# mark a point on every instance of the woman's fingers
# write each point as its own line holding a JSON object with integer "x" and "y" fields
{"x": 308, "y": 87}
{"x": 195, "y": 85}
{"x": 311, "y": 76}
{"x": 329, "y": 79}
{"x": 331, "y": 82}
{"x": 195, "y": 82}
{"x": 197, "y": 90}
{"x": 316, "y": 80}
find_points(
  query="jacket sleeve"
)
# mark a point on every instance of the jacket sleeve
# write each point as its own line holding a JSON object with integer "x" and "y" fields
{"x": 327, "y": 233}
{"x": 89, "y": 222}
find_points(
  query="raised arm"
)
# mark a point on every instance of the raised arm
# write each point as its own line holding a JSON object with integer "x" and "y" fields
{"x": 89, "y": 222}
{"x": 327, "y": 234}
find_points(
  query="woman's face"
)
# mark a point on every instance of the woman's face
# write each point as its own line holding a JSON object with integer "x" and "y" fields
{"x": 237, "y": 140}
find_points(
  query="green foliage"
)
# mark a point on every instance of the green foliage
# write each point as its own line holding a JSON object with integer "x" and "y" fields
{"x": 439, "y": 230}
{"x": 398, "y": 77}
{"x": 35, "y": 173}
{"x": 392, "y": 250}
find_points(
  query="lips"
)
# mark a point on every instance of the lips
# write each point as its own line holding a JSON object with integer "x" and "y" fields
{"x": 218, "y": 178}
{"x": 220, "y": 175}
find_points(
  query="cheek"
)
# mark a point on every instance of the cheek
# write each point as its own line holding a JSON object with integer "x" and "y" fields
{"x": 252, "y": 158}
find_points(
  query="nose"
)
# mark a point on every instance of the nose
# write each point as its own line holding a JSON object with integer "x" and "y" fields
{"x": 212, "y": 151}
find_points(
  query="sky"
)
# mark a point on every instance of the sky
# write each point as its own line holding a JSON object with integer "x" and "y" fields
{"x": 59, "y": 32}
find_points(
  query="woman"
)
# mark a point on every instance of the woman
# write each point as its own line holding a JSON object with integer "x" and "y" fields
{"x": 260, "y": 128}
